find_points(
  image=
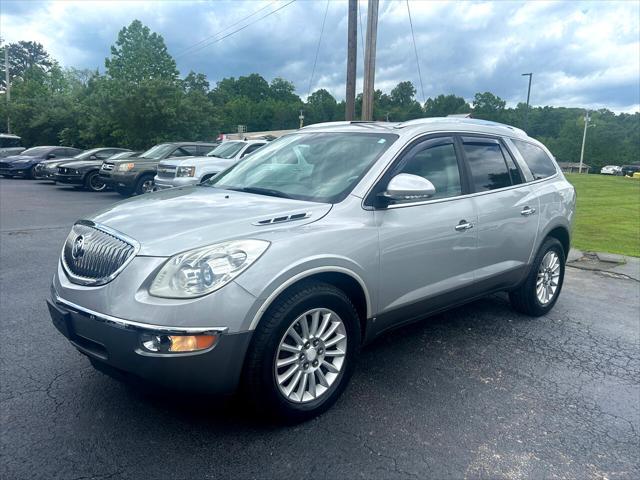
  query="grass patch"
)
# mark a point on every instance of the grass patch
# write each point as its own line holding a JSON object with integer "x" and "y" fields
{"x": 608, "y": 214}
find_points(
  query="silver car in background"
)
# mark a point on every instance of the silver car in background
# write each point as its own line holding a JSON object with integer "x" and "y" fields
{"x": 269, "y": 278}
{"x": 181, "y": 172}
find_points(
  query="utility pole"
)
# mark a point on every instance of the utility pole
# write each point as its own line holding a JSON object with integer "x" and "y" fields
{"x": 352, "y": 56}
{"x": 526, "y": 112}
{"x": 584, "y": 139}
{"x": 370, "y": 60}
{"x": 8, "y": 86}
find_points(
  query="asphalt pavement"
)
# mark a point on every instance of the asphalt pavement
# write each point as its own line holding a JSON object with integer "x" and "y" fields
{"x": 477, "y": 392}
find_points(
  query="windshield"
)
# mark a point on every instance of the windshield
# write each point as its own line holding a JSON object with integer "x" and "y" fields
{"x": 9, "y": 142}
{"x": 226, "y": 150}
{"x": 86, "y": 154}
{"x": 35, "y": 152}
{"x": 159, "y": 151}
{"x": 120, "y": 155}
{"x": 319, "y": 167}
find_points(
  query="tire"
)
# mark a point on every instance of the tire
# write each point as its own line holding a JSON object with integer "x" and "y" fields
{"x": 525, "y": 298}
{"x": 260, "y": 384}
{"x": 92, "y": 182}
{"x": 144, "y": 185}
{"x": 32, "y": 173}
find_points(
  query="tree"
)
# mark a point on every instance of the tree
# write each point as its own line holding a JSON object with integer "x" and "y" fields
{"x": 488, "y": 106}
{"x": 139, "y": 55}
{"x": 444, "y": 105}
{"x": 403, "y": 94}
{"x": 24, "y": 56}
{"x": 320, "y": 107}
{"x": 282, "y": 90}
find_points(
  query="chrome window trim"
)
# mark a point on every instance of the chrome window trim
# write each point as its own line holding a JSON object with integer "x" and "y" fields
{"x": 90, "y": 282}
{"x": 121, "y": 322}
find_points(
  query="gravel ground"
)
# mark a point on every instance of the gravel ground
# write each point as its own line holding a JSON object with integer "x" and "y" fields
{"x": 477, "y": 392}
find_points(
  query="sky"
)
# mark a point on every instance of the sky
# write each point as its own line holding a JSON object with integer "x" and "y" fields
{"x": 582, "y": 54}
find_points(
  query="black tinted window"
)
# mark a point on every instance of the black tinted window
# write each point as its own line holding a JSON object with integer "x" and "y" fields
{"x": 252, "y": 148}
{"x": 537, "y": 160}
{"x": 487, "y": 165}
{"x": 516, "y": 176}
{"x": 439, "y": 165}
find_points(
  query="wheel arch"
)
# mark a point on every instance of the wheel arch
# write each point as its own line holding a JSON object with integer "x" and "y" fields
{"x": 346, "y": 280}
{"x": 561, "y": 233}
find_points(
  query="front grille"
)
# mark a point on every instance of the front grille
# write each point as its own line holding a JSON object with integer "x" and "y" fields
{"x": 166, "y": 172}
{"x": 93, "y": 256}
{"x": 5, "y": 164}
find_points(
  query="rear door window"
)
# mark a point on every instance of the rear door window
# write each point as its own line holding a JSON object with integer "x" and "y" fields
{"x": 537, "y": 160}
{"x": 487, "y": 163}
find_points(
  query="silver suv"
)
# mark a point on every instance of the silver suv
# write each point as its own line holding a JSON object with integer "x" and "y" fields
{"x": 271, "y": 276}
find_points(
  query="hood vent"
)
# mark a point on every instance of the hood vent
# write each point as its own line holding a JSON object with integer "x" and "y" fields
{"x": 283, "y": 219}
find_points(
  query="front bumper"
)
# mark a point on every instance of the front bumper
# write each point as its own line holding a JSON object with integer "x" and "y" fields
{"x": 164, "y": 183}
{"x": 16, "y": 171}
{"x": 70, "y": 179}
{"x": 114, "y": 344}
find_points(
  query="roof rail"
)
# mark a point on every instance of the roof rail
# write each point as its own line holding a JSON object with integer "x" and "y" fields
{"x": 460, "y": 121}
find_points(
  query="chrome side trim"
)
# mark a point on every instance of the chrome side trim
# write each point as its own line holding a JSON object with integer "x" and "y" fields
{"x": 269, "y": 300}
{"x": 122, "y": 323}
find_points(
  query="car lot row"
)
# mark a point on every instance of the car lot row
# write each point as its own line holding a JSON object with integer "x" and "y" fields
{"x": 128, "y": 172}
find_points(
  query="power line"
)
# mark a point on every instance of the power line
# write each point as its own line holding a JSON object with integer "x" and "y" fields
{"x": 313, "y": 70}
{"x": 415, "y": 49}
{"x": 240, "y": 29}
{"x": 183, "y": 52}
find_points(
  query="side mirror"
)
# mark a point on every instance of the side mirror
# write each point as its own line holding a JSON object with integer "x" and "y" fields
{"x": 50, "y": 156}
{"x": 93, "y": 157}
{"x": 406, "y": 187}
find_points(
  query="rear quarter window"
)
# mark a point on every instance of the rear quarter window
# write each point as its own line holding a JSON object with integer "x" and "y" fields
{"x": 537, "y": 160}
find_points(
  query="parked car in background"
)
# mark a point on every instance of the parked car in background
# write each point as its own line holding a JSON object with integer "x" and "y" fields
{"x": 129, "y": 177}
{"x": 83, "y": 170}
{"x": 178, "y": 172}
{"x": 47, "y": 169}
{"x": 24, "y": 165}
{"x": 611, "y": 170}
{"x": 629, "y": 170}
{"x": 10, "y": 145}
{"x": 271, "y": 279}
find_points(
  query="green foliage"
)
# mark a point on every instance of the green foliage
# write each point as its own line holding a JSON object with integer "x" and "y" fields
{"x": 141, "y": 100}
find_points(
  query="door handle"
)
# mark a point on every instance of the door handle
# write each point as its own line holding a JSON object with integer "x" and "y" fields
{"x": 526, "y": 211}
{"x": 463, "y": 225}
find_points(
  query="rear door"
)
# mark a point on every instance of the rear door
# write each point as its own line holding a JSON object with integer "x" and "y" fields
{"x": 507, "y": 211}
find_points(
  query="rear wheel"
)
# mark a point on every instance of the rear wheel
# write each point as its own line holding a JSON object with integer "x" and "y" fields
{"x": 144, "y": 185}
{"x": 539, "y": 292}
{"x": 303, "y": 352}
{"x": 94, "y": 183}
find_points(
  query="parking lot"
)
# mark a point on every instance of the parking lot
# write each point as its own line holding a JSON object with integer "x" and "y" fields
{"x": 477, "y": 392}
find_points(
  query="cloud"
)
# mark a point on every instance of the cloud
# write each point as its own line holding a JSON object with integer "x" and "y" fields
{"x": 581, "y": 53}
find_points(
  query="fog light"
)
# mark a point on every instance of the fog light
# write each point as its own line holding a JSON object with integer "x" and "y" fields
{"x": 177, "y": 343}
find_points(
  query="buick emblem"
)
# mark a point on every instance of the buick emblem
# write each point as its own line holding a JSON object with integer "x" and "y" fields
{"x": 78, "y": 247}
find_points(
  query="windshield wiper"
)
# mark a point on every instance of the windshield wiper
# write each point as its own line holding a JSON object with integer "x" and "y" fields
{"x": 262, "y": 191}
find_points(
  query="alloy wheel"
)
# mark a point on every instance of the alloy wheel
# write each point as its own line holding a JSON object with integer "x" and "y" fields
{"x": 548, "y": 277}
{"x": 311, "y": 355}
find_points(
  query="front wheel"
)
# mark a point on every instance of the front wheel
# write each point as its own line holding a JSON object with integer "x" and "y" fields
{"x": 93, "y": 182}
{"x": 144, "y": 185}
{"x": 541, "y": 289}
{"x": 303, "y": 352}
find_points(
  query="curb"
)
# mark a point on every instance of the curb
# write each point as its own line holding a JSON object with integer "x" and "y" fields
{"x": 618, "y": 265}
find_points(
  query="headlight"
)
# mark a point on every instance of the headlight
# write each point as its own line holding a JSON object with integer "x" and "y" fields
{"x": 125, "y": 167}
{"x": 201, "y": 271}
{"x": 186, "y": 171}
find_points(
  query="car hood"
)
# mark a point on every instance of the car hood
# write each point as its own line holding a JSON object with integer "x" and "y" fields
{"x": 179, "y": 219}
{"x": 16, "y": 158}
{"x": 55, "y": 162}
{"x": 80, "y": 163}
{"x": 178, "y": 161}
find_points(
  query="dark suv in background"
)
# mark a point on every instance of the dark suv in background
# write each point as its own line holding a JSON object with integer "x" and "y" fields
{"x": 82, "y": 170}
{"x": 130, "y": 177}
{"x": 24, "y": 165}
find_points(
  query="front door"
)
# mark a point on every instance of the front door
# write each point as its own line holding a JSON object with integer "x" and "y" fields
{"x": 427, "y": 248}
